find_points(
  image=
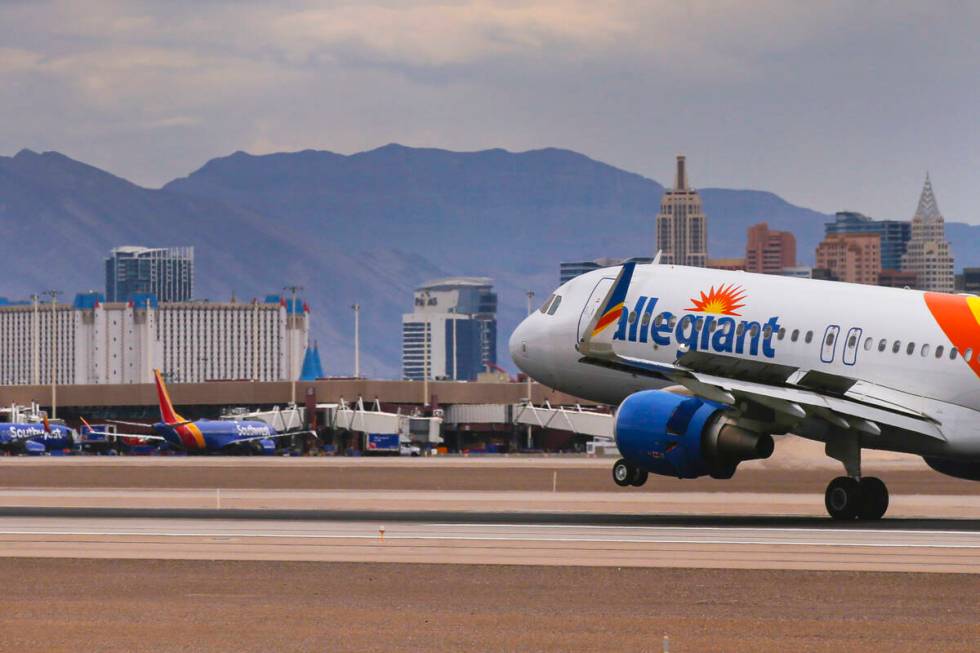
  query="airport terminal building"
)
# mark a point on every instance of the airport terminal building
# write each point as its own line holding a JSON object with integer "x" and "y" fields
{"x": 92, "y": 341}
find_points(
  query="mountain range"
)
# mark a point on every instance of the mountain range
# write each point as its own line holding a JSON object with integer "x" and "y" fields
{"x": 365, "y": 228}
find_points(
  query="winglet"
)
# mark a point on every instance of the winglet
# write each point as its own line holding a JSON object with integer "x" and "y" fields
{"x": 47, "y": 424}
{"x": 612, "y": 307}
{"x": 167, "y": 412}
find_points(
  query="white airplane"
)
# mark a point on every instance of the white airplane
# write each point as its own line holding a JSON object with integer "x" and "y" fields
{"x": 706, "y": 365}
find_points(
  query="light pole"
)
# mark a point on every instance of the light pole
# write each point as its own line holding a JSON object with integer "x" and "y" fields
{"x": 36, "y": 330}
{"x": 357, "y": 340}
{"x": 53, "y": 353}
{"x": 290, "y": 320}
{"x": 530, "y": 296}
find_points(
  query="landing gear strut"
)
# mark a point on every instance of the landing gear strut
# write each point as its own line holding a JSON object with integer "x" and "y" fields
{"x": 849, "y": 498}
{"x": 625, "y": 474}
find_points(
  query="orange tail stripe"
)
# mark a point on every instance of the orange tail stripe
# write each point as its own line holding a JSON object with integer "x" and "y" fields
{"x": 957, "y": 321}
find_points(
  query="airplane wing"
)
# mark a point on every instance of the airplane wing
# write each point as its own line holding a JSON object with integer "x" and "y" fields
{"x": 793, "y": 394}
{"x": 144, "y": 424}
{"x": 141, "y": 436}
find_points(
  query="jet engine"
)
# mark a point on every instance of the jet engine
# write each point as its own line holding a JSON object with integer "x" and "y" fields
{"x": 687, "y": 437}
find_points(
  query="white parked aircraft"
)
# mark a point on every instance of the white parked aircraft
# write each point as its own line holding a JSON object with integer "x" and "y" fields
{"x": 706, "y": 365}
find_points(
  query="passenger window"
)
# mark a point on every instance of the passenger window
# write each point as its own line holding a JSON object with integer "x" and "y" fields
{"x": 910, "y": 348}
{"x": 795, "y": 336}
{"x": 754, "y": 331}
{"x": 740, "y": 331}
{"x": 554, "y": 305}
{"x": 867, "y": 344}
{"x": 809, "y": 337}
{"x": 781, "y": 334}
{"x": 953, "y": 353}
{"x": 939, "y": 351}
{"x": 657, "y": 321}
{"x": 882, "y": 345}
{"x": 896, "y": 346}
{"x": 672, "y": 322}
{"x": 925, "y": 350}
{"x": 852, "y": 342}
{"x": 632, "y": 317}
{"x": 968, "y": 355}
{"x": 646, "y": 319}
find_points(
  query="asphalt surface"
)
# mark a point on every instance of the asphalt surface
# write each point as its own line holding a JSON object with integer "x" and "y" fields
{"x": 468, "y": 538}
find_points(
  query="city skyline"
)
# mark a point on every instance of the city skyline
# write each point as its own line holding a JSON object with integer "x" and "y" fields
{"x": 157, "y": 89}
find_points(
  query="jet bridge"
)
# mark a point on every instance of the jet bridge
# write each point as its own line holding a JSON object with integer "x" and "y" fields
{"x": 357, "y": 418}
{"x": 575, "y": 419}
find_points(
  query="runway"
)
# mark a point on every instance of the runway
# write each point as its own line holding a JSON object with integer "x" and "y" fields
{"x": 519, "y": 540}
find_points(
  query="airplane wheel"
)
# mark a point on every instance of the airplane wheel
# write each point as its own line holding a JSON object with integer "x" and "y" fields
{"x": 623, "y": 473}
{"x": 874, "y": 498}
{"x": 639, "y": 477}
{"x": 843, "y": 498}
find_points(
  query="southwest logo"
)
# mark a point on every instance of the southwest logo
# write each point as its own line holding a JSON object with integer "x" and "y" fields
{"x": 709, "y": 324}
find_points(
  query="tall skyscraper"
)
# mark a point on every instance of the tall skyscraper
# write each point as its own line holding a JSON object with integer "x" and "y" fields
{"x": 855, "y": 258}
{"x": 452, "y": 333}
{"x": 682, "y": 230}
{"x": 894, "y": 234}
{"x": 768, "y": 251}
{"x": 927, "y": 254}
{"x": 167, "y": 273}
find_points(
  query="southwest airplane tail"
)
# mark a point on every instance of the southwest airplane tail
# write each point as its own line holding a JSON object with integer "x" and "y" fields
{"x": 168, "y": 415}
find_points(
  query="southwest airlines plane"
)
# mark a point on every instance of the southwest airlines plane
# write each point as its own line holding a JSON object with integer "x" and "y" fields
{"x": 204, "y": 435}
{"x": 706, "y": 365}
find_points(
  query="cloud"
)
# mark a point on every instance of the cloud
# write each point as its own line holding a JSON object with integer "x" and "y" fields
{"x": 761, "y": 93}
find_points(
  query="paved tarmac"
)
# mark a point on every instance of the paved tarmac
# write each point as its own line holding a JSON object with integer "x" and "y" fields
{"x": 770, "y": 544}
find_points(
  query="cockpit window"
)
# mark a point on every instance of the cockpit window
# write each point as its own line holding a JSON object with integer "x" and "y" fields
{"x": 547, "y": 303}
{"x": 554, "y": 305}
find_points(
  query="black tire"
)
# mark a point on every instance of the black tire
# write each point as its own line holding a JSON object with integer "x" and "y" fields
{"x": 639, "y": 477}
{"x": 874, "y": 499}
{"x": 843, "y": 498}
{"x": 623, "y": 473}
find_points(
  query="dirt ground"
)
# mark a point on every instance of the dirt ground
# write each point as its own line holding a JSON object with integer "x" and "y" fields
{"x": 365, "y": 477}
{"x": 107, "y": 605}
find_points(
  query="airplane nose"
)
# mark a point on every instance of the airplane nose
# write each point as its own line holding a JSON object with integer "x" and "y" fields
{"x": 527, "y": 349}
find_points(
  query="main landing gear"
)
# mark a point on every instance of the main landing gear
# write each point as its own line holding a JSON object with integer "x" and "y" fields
{"x": 626, "y": 475}
{"x": 853, "y": 496}
{"x": 850, "y": 498}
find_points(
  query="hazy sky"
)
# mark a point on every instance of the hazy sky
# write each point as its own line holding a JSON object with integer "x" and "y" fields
{"x": 830, "y": 104}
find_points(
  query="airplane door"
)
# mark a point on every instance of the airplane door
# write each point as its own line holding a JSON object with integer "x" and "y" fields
{"x": 591, "y": 306}
{"x": 851, "y": 345}
{"x": 829, "y": 347}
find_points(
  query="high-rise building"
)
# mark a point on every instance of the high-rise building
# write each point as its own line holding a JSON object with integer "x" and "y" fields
{"x": 893, "y": 234}
{"x": 167, "y": 273}
{"x": 731, "y": 264}
{"x": 568, "y": 270}
{"x": 928, "y": 254}
{"x": 452, "y": 333}
{"x": 768, "y": 251}
{"x": 971, "y": 281}
{"x": 855, "y": 258}
{"x": 95, "y": 342}
{"x": 682, "y": 230}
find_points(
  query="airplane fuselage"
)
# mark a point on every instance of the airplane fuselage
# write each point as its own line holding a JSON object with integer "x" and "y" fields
{"x": 891, "y": 344}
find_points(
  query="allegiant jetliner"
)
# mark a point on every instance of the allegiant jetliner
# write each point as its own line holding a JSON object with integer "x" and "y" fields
{"x": 206, "y": 435}
{"x": 707, "y": 365}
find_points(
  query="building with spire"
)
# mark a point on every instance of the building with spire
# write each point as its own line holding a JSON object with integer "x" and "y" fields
{"x": 927, "y": 254}
{"x": 682, "y": 233}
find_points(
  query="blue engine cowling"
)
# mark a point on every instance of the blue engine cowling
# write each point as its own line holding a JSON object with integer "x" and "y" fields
{"x": 687, "y": 437}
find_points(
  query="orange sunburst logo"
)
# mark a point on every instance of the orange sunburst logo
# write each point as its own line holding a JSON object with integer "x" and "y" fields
{"x": 724, "y": 300}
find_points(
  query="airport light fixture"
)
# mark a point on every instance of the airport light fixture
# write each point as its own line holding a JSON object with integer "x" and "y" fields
{"x": 53, "y": 352}
{"x": 357, "y": 340}
{"x": 290, "y": 319}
